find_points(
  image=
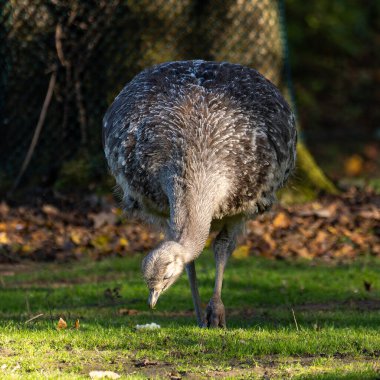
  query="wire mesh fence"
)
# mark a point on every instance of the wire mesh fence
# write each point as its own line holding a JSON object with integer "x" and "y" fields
{"x": 62, "y": 63}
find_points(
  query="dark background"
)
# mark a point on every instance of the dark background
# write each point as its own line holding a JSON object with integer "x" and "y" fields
{"x": 331, "y": 61}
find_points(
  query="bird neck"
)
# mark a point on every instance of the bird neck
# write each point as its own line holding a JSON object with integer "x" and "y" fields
{"x": 190, "y": 220}
{"x": 194, "y": 236}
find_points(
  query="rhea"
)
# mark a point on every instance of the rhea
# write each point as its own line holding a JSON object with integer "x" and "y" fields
{"x": 195, "y": 146}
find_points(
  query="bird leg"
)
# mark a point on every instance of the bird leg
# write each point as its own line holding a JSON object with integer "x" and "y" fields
{"x": 190, "y": 269}
{"x": 223, "y": 247}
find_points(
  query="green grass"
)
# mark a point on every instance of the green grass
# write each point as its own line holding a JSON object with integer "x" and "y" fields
{"x": 337, "y": 335}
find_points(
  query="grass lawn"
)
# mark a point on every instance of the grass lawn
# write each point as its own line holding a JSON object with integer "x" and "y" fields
{"x": 337, "y": 334}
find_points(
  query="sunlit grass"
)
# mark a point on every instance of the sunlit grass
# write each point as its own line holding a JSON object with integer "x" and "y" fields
{"x": 334, "y": 329}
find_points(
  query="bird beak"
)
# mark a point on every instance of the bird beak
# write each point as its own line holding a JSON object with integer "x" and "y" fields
{"x": 153, "y": 297}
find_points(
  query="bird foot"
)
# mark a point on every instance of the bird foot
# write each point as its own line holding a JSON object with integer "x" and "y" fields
{"x": 215, "y": 314}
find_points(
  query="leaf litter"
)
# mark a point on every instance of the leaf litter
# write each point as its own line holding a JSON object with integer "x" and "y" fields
{"x": 340, "y": 227}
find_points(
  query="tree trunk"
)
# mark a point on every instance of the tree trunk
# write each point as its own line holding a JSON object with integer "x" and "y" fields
{"x": 309, "y": 168}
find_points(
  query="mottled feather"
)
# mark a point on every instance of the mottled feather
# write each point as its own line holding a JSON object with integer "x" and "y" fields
{"x": 220, "y": 129}
{"x": 192, "y": 145}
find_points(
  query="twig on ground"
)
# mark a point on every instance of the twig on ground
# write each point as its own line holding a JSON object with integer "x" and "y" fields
{"x": 295, "y": 320}
{"x": 35, "y": 317}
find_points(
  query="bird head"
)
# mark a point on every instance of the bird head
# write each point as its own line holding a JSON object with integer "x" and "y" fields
{"x": 161, "y": 268}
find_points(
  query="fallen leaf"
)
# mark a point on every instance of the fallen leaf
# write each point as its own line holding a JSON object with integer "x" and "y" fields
{"x": 128, "y": 312}
{"x": 145, "y": 363}
{"x": 304, "y": 253}
{"x": 117, "y": 211}
{"x": 269, "y": 240}
{"x": 61, "y": 324}
{"x": 353, "y": 165}
{"x": 103, "y": 218}
{"x": 123, "y": 242}
{"x": 4, "y": 208}
{"x": 332, "y": 230}
{"x": 371, "y": 150}
{"x": 101, "y": 242}
{"x": 50, "y": 210}
{"x": 241, "y": 252}
{"x": 76, "y": 237}
{"x": 208, "y": 243}
{"x": 346, "y": 250}
{"x": 281, "y": 221}
{"x": 324, "y": 213}
{"x": 348, "y": 221}
{"x": 321, "y": 237}
{"x": 4, "y": 238}
{"x": 26, "y": 248}
{"x": 370, "y": 214}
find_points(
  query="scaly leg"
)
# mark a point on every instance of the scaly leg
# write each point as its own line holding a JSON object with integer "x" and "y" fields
{"x": 223, "y": 247}
{"x": 190, "y": 269}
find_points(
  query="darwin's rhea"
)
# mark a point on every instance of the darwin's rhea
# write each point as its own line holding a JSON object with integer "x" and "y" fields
{"x": 196, "y": 145}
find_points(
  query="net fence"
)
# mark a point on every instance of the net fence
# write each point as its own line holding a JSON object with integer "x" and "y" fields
{"x": 62, "y": 63}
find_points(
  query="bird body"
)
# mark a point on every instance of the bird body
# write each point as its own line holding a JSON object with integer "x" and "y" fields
{"x": 194, "y": 144}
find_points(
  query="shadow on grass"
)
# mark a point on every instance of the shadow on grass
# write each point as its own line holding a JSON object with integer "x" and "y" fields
{"x": 257, "y": 293}
{"x": 367, "y": 375}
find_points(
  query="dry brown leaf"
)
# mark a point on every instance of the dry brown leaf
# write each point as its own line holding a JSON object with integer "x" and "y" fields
{"x": 4, "y": 209}
{"x": 353, "y": 165}
{"x": 345, "y": 251}
{"x": 321, "y": 237}
{"x": 281, "y": 221}
{"x": 208, "y": 243}
{"x": 332, "y": 230}
{"x": 268, "y": 239}
{"x": 359, "y": 238}
{"x": 304, "y": 253}
{"x": 101, "y": 242}
{"x": 26, "y": 248}
{"x": 61, "y": 324}
{"x": 325, "y": 212}
{"x": 306, "y": 232}
{"x": 123, "y": 242}
{"x": 76, "y": 237}
{"x": 128, "y": 311}
{"x": 376, "y": 249}
{"x": 103, "y": 218}
{"x": 117, "y": 211}
{"x": 145, "y": 363}
{"x": 370, "y": 214}
{"x": 50, "y": 210}
{"x": 4, "y": 238}
{"x": 241, "y": 252}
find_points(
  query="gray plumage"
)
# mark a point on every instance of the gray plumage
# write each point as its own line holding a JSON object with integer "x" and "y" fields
{"x": 195, "y": 145}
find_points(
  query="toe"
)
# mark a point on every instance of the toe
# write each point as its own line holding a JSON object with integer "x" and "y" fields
{"x": 215, "y": 315}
